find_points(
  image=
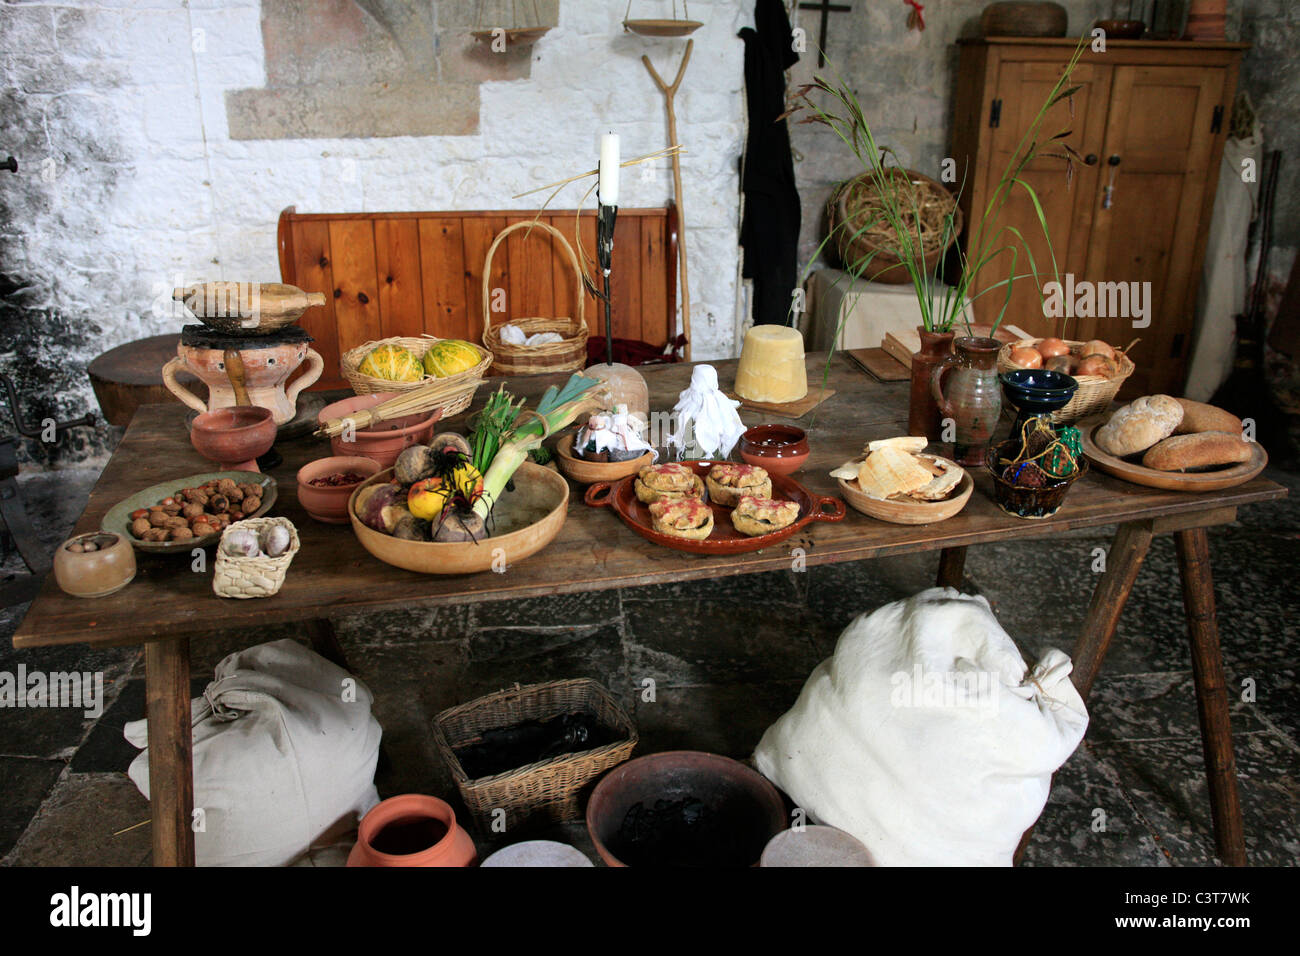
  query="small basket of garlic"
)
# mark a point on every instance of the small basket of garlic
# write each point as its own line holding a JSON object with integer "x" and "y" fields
{"x": 253, "y": 557}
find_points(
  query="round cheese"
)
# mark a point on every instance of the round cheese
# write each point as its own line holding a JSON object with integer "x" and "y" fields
{"x": 772, "y": 365}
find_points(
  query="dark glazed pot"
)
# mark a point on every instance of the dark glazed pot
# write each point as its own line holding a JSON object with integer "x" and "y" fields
{"x": 923, "y": 416}
{"x": 1029, "y": 502}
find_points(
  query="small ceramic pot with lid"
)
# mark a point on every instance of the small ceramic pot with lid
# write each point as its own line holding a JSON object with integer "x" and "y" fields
{"x": 94, "y": 565}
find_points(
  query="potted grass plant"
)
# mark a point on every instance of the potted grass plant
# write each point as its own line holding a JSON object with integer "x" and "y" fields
{"x": 901, "y": 230}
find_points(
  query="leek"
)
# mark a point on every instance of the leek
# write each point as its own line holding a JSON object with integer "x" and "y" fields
{"x": 557, "y": 410}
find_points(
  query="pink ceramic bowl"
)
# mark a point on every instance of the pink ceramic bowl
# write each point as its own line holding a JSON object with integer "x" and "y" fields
{"x": 781, "y": 449}
{"x": 386, "y": 440}
{"x": 330, "y": 503}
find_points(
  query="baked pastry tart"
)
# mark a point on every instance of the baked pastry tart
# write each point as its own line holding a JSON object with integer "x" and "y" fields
{"x": 682, "y": 518}
{"x": 755, "y": 516}
{"x": 668, "y": 481}
{"x": 728, "y": 483}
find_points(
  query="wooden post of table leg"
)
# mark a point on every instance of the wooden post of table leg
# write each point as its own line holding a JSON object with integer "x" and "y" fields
{"x": 1211, "y": 694}
{"x": 952, "y": 566}
{"x": 1123, "y": 561}
{"x": 171, "y": 760}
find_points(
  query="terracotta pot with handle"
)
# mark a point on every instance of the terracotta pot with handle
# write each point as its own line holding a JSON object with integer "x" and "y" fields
{"x": 265, "y": 372}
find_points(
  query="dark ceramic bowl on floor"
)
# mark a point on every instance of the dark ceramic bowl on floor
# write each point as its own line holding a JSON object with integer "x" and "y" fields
{"x": 1029, "y": 502}
{"x": 683, "y": 808}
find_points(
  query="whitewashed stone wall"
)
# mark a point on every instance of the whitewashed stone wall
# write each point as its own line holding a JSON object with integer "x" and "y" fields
{"x": 128, "y": 178}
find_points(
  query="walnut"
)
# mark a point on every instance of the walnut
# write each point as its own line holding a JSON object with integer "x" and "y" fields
{"x": 194, "y": 496}
{"x": 218, "y": 504}
{"x": 227, "y": 485}
{"x": 234, "y": 494}
{"x": 180, "y": 534}
{"x": 154, "y": 534}
{"x": 139, "y": 526}
{"x": 177, "y": 522}
{"x": 251, "y": 504}
{"x": 192, "y": 510}
{"x": 158, "y": 518}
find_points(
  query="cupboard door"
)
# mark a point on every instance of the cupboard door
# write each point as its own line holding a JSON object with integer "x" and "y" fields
{"x": 1066, "y": 200}
{"x": 1160, "y": 128}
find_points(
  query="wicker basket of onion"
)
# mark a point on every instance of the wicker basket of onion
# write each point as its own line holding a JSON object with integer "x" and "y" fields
{"x": 1099, "y": 368}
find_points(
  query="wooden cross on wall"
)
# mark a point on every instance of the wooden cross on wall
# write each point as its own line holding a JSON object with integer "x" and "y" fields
{"x": 826, "y": 8}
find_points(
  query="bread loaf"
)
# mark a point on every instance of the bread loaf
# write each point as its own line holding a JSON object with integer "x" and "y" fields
{"x": 1199, "y": 417}
{"x": 1203, "y": 450}
{"x": 1139, "y": 425}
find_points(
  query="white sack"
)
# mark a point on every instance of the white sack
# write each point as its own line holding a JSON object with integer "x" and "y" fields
{"x": 924, "y": 735}
{"x": 284, "y": 748}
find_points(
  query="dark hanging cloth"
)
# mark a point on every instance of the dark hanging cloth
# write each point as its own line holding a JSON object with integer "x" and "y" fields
{"x": 769, "y": 231}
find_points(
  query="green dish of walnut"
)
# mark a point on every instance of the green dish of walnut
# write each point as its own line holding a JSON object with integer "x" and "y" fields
{"x": 119, "y": 520}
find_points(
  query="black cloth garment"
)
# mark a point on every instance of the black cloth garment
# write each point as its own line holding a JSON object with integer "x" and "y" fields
{"x": 769, "y": 231}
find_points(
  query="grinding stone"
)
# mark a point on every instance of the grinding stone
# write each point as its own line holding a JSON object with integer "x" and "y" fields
{"x": 815, "y": 846}
{"x": 537, "y": 853}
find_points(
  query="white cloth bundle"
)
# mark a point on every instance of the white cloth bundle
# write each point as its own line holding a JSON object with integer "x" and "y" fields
{"x": 702, "y": 405}
{"x": 514, "y": 335}
{"x": 285, "y": 749}
{"x": 926, "y": 736}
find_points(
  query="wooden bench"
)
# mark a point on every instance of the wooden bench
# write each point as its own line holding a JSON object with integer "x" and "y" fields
{"x": 408, "y": 273}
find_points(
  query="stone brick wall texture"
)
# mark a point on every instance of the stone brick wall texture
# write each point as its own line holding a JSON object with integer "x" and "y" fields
{"x": 130, "y": 181}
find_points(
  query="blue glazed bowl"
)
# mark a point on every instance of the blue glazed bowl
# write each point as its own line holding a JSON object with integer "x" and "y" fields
{"x": 1036, "y": 391}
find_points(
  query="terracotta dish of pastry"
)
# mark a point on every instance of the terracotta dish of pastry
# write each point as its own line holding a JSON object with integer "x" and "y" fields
{"x": 724, "y": 538}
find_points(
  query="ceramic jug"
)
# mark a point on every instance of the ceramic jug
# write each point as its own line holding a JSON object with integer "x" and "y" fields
{"x": 965, "y": 387}
{"x": 922, "y": 413}
{"x": 266, "y": 369}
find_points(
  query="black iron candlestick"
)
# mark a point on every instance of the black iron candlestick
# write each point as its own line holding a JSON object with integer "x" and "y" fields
{"x": 605, "y": 256}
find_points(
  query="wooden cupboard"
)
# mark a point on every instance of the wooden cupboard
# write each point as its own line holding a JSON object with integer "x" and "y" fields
{"x": 1149, "y": 119}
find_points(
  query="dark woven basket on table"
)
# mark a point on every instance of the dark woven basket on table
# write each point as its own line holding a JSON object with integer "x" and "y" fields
{"x": 548, "y": 791}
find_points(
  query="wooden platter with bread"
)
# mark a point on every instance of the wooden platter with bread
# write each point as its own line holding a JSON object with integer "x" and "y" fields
{"x": 1174, "y": 444}
{"x": 896, "y": 481}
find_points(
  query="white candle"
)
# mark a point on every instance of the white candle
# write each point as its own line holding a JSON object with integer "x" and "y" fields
{"x": 609, "y": 168}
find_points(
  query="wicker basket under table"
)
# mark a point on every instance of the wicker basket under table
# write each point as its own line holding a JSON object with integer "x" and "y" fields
{"x": 456, "y": 390}
{"x": 1095, "y": 392}
{"x": 567, "y": 356}
{"x": 548, "y": 791}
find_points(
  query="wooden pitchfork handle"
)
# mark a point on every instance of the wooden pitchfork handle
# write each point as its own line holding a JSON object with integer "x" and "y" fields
{"x": 669, "y": 92}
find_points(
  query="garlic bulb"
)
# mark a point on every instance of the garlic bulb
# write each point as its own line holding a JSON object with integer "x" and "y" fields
{"x": 275, "y": 540}
{"x": 241, "y": 543}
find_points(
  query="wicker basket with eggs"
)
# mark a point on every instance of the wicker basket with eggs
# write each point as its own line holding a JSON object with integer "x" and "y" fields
{"x": 1099, "y": 368}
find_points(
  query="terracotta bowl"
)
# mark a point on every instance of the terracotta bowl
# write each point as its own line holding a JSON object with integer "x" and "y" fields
{"x": 91, "y": 574}
{"x": 330, "y": 503}
{"x": 589, "y": 472}
{"x": 524, "y": 521}
{"x": 1123, "y": 29}
{"x": 234, "y": 437}
{"x": 746, "y": 809}
{"x": 386, "y": 440}
{"x": 781, "y": 449}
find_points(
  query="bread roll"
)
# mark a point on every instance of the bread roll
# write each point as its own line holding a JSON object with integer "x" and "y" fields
{"x": 1139, "y": 425}
{"x": 1199, "y": 417}
{"x": 1203, "y": 450}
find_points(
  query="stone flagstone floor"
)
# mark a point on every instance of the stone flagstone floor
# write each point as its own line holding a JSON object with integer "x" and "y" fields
{"x": 724, "y": 678}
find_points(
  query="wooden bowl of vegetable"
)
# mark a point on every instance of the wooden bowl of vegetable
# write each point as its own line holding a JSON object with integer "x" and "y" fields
{"x": 589, "y": 472}
{"x": 524, "y": 520}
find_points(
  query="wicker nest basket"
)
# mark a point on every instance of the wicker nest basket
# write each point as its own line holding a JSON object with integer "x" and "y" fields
{"x": 258, "y": 577}
{"x": 1095, "y": 392}
{"x": 857, "y": 201}
{"x": 547, "y": 791}
{"x": 567, "y": 356}
{"x": 457, "y": 390}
